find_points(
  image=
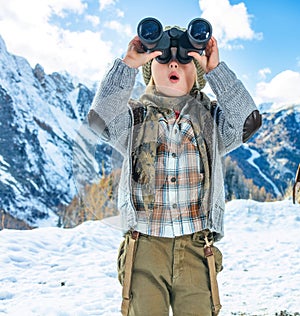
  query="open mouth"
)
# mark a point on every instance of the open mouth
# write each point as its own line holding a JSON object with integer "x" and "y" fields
{"x": 173, "y": 77}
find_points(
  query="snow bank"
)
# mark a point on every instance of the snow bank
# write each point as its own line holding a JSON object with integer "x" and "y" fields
{"x": 66, "y": 272}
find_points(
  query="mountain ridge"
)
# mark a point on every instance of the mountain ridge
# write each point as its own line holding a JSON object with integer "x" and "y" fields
{"x": 41, "y": 116}
{"x": 48, "y": 153}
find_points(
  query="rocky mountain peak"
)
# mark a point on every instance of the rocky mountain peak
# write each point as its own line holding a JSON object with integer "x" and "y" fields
{"x": 43, "y": 127}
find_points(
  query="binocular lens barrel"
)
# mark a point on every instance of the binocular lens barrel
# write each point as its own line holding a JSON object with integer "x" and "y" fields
{"x": 149, "y": 31}
{"x": 199, "y": 32}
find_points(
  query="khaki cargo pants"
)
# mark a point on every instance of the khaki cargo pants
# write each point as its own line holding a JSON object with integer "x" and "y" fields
{"x": 169, "y": 272}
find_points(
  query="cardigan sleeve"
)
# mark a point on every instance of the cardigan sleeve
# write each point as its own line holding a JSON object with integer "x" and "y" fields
{"x": 110, "y": 116}
{"x": 235, "y": 107}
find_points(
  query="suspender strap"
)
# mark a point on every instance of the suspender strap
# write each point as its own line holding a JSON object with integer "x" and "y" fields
{"x": 128, "y": 272}
{"x": 213, "y": 277}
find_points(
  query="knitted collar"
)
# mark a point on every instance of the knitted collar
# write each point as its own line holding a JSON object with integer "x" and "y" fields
{"x": 165, "y": 103}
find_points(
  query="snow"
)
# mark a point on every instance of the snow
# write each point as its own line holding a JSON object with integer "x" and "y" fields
{"x": 3, "y": 162}
{"x": 256, "y": 155}
{"x": 7, "y": 178}
{"x": 60, "y": 272}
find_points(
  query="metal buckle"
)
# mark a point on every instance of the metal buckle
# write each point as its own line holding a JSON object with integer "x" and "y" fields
{"x": 135, "y": 235}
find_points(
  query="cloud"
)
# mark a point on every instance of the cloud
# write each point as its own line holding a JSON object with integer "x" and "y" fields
{"x": 263, "y": 73}
{"x": 120, "y": 13}
{"x": 230, "y": 22}
{"x": 103, "y": 4}
{"x": 29, "y": 33}
{"x": 93, "y": 19}
{"x": 59, "y": 6}
{"x": 283, "y": 90}
{"x": 119, "y": 28}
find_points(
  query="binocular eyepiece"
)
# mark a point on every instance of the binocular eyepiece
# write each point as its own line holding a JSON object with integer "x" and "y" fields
{"x": 195, "y": 38}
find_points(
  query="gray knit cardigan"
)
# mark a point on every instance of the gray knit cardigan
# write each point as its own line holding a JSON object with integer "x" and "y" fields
{"x": 112, "y": 118}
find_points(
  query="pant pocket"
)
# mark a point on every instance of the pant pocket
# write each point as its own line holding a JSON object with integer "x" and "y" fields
{"x": 121, "y": 259}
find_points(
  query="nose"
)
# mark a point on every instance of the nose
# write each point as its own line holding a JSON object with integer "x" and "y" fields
{"x": 173, "y": 64}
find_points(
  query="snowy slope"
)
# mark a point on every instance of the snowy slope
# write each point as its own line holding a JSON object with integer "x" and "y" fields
{"x": 44, "y": 143}
{"x": 59, "y": 272}
{"x": 271, "y": 157}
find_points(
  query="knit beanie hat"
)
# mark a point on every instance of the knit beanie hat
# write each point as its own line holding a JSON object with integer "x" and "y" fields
{"x": 199, "y": 83}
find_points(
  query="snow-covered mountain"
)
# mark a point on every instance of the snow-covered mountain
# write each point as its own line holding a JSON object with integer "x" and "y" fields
{"x": 47, "y": 152}
{"x": 42, "y": 130}
{"x": 272, "y": 155}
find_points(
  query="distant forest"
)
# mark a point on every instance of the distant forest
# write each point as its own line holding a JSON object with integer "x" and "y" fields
{"x": 98, "y": 200}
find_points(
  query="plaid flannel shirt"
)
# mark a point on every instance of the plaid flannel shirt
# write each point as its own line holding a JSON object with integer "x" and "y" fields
{"x": 179, "y": 178}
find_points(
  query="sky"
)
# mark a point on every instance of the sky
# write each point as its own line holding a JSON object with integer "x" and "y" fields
{"x": 65, "y": 272}
{"x": 259, "y": 40}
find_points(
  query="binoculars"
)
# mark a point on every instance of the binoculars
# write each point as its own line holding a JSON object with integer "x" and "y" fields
{"x": 153, "y": 37}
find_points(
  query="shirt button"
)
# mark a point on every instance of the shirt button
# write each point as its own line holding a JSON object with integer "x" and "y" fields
{"x": 174, "y": 155}
{"x": 174, "y": 205}
{"x": 173, "y": 179}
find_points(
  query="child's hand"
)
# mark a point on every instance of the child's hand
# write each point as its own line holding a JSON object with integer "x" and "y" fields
{"x": 211, "y": 59}
{"x": 135, "y": 55}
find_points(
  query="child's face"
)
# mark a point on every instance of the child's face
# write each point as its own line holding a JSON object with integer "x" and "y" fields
{"x": 173, "y": 79}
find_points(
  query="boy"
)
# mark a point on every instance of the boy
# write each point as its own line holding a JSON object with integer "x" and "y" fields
{"x": 171, "y": 192}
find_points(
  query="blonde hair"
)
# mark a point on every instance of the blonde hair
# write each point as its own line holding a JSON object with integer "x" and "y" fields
{"x": 150, "y": 85}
